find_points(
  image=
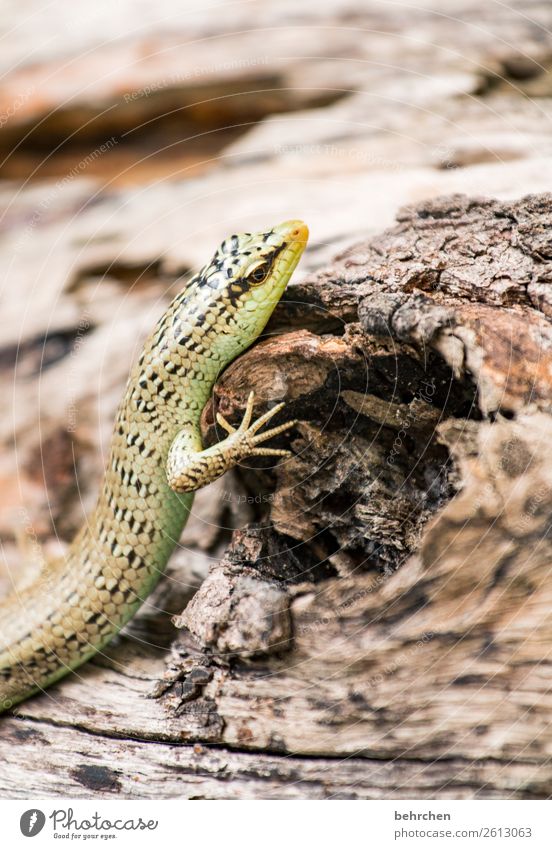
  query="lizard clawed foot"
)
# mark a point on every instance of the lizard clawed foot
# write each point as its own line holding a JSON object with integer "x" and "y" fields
{"x": 246, "y": 436}
{"x": 189, "y": 469}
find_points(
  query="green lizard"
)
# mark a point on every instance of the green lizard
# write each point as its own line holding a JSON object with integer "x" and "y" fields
{"x": 157, "y": 461}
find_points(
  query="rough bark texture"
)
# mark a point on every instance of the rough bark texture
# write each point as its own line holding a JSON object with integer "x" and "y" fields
{"x": 369, "y": 619}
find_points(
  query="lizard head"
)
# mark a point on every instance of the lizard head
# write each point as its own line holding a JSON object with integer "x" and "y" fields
{"x": 249, "y": 272}
{"x": 226, "y": 306}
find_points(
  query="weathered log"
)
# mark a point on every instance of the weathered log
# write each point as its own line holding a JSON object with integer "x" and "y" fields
{"x": 378, "y": 625}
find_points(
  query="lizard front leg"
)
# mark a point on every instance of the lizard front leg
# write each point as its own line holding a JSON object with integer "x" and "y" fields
{"x": 189, "y": 467}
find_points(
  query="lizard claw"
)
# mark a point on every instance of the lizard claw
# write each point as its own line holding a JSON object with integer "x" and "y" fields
{"x": 252, "y": 438}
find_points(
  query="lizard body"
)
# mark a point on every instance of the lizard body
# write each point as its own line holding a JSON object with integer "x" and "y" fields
{"x": 156, "y": 463}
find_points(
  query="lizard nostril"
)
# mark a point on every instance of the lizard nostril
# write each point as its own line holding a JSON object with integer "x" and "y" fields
{"x": 300, "y": 232}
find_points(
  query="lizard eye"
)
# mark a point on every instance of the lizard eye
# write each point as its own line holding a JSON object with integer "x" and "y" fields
{"x": 259, "y": 274}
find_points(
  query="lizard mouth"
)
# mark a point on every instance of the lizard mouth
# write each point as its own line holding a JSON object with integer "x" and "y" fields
{"x": 294, "y": 235}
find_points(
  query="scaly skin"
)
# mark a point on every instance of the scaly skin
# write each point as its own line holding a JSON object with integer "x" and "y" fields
{"x": 156, "y": 462}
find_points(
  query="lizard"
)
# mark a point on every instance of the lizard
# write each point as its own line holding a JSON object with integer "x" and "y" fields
{"x": 156, "y": 463}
